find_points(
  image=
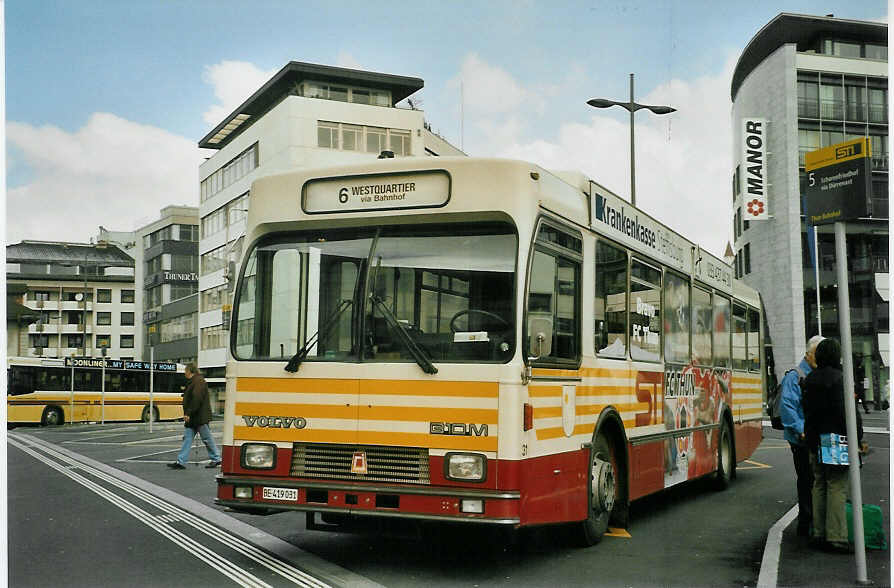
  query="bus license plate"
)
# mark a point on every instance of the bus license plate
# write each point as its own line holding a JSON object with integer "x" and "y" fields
{"x": 281, "y": 494}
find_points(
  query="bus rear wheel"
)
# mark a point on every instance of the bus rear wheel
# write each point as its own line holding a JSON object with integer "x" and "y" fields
{"x": 52, "y": 416}
{"x": 145, "y": 416}
{"x": 602, "y": 490}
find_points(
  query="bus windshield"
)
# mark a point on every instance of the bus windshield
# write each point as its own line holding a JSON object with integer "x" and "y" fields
{"x": 341, "y": 295}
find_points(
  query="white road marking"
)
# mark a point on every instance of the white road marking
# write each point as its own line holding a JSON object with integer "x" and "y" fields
{"x": 158, "y": 524}
{"x": 769, "y": 574}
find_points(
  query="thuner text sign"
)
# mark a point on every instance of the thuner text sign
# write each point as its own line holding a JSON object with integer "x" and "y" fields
{"x": 376, "y": 192}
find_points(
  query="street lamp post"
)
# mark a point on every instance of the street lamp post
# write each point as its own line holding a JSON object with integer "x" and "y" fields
{"x": 632, "y": 107}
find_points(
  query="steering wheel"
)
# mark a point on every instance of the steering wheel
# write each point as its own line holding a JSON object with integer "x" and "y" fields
{"x": 500, "y": 321}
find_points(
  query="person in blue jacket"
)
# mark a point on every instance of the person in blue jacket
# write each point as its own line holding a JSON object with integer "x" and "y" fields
{"x": 792, "y": 414}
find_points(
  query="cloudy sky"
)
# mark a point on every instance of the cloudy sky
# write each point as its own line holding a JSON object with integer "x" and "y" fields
{"x": 106, "y": 100}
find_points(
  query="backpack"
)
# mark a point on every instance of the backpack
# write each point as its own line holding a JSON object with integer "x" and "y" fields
{"x": 774, "y": 399}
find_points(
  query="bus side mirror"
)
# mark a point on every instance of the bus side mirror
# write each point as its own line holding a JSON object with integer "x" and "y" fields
{"x": 540, "y": 332}
{"x": 231, "y": 276}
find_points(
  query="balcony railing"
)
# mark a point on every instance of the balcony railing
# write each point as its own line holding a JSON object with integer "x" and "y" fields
{"x": 880, "y": 162}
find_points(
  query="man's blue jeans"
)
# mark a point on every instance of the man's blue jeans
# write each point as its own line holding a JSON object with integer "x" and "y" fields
{"x": 188, "y": 436}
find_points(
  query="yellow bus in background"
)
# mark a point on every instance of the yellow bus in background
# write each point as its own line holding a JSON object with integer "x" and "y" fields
{"x": 39, "y": 390}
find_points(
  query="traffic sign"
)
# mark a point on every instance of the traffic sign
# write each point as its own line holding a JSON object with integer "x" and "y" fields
{"x": 839, "y": 182}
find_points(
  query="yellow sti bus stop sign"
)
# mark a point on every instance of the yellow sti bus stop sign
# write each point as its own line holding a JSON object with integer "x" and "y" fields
{"x": 839, "y": 182}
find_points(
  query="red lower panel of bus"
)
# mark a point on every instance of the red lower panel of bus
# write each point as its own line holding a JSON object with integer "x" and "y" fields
{"x": 549, "y": 489}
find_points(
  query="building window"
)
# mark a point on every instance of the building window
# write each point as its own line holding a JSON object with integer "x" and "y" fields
{"x": 127, "y": 319}
{"x": 808, "y": 100}
{"x": 236, "y": 169}
{"x": 126, "y": 342}
{"x": 831, "y": 102}
{"x": 178, "y": 292}
{"x": 345, "y": 94}
{"x": 747, "y": 256}
{"x": 127, "y": 296}
{"x": 360, "y": 138}
{"x": 41, "y": 296}
{"x": 327, "y": 135}
{"x": 104, "y": 318}
{"x": 214, "y": 260}
{"x": 189, "y": 232}
{"x": 876, "y": 52}
{"x": 213, "y": 337}
{"x": 214, "y": 298}
{"x": 103, "y": 341}
{"x": 878, "y": 105}
{"x": 37, "y": 341}
{"x": 181, "y": 327}
{"x": 75, "y": 341}
{"x": 103, "y": 295}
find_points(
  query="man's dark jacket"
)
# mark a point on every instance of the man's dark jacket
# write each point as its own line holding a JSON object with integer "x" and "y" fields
{"x": 196, "y": 404}
{"x": 824, "y": 405}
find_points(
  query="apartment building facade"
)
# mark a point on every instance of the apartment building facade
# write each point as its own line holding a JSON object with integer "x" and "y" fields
{"x": 80, "y": 300}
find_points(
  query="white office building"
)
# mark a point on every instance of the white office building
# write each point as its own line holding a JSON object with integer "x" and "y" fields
{"x": 810, "y": 82}
{"x": 305, "y": 116}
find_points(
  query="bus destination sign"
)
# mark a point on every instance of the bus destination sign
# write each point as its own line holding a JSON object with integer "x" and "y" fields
{"x": 376, "y": 192}
{"x": 838, "y": 182}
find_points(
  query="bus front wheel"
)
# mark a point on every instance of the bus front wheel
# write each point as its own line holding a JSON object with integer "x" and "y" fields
{"x": 52, "y": 416}
{"x": 145, "y": 415}
{"x": 602, "y": 490}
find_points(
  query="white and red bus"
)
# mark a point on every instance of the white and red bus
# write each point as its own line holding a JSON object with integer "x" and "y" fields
{"x": 478, "y": 341}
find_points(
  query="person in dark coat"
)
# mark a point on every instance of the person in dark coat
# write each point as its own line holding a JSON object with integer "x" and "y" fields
{"x": 824, "y": 413}
{"x": 196, "y": 416}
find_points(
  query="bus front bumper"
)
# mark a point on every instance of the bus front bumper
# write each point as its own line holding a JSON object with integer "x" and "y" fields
{"x": 421, "y": 503}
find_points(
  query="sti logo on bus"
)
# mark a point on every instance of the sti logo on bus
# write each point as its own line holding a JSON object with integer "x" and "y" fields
{"x": 275, "y": 422}
{"x": 458, "y": 429}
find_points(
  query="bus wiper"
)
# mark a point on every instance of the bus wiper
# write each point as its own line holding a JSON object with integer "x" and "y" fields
{"x": 412, "y": 346}
{"x": 330, "y": 322}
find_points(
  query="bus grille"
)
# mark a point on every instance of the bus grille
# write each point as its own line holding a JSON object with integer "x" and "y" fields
{"x": 405, "y": 465}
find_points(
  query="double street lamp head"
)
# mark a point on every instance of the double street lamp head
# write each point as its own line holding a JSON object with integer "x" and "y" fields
{"x": 631, "y": 106}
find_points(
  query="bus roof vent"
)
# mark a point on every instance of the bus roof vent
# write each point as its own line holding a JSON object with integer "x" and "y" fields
{"x": 386, "y": 154}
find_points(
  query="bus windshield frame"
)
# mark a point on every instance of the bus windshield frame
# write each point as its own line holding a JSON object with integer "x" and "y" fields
{"x": 342, "y": 294}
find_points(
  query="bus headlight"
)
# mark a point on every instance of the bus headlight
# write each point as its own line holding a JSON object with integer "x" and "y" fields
{"x": 258, "y": 456}
{"x": 466, "y": 467}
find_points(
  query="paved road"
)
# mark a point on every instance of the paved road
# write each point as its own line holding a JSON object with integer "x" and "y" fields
{"x": 689, "y": 536}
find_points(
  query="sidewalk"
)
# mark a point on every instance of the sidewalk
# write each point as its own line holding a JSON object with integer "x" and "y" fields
{"x": 800, "y": 565}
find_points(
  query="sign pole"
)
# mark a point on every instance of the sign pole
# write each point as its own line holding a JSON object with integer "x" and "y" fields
{"x": 850, "y": 407}
{"x": 71, "y": 411}
{"x": 103, "y": 396}
{"x": 151, "y": 385}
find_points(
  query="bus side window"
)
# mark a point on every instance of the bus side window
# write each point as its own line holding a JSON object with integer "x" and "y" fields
{"x": 553, "y": 307}
{"x": 721, "y": 331}
{"x": 676, "y": 319}
{"x": 754, "y": 344}
{"x": 645, "y": 310}
{"x": 740, "y": 357}
{"x": 610, "y": 303}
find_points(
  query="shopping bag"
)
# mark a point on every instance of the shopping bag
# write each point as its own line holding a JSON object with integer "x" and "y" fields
{"x": 833, "y": 449}
{"x": 873, "y": 526}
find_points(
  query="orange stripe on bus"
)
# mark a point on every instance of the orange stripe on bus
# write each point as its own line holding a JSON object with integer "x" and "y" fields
{"x": 460, "y": 442}
{"x": 297, "y": 385}
{"x": 545, "y": 391}
{"x": 429, "y": 414}
{"x": 322, "y": 411}
{"x": 379, "y": 387}
{"x": 425, "y": 388}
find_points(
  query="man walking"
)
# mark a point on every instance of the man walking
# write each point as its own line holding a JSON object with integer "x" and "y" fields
{"x": 792, "y": 414}
{"x": 196, "y": 416}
